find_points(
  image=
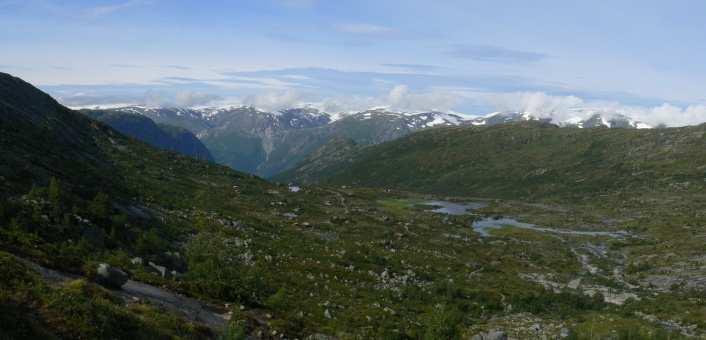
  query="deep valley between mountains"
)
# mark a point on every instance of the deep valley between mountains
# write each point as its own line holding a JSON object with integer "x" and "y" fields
{"x": 153, "y": 224}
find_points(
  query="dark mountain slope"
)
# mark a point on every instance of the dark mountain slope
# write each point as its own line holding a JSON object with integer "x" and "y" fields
{"x": 521, "y": 160}
{"x": 40, "y": 138}
{"x": 75, "y": 192}
{"x": 162, "y": 136}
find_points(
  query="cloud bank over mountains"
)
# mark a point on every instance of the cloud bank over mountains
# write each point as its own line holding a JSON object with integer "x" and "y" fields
{"x": 401, "y": 98}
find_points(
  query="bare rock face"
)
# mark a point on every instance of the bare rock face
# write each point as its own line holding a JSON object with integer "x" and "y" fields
{"x": 110, "y": 277}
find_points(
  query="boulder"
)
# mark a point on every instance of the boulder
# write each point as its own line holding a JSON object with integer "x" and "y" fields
{"x": 110, "y": 277}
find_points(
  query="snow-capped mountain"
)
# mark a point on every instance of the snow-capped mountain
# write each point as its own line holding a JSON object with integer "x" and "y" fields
{"x": 578, "y": 117}
{"x": 254, "y": 140}
{"x": 200, "y": 119}
{"x": 266, "y": 143}
{"x": 496, "y": 118}
{"x": 413, "y": 120}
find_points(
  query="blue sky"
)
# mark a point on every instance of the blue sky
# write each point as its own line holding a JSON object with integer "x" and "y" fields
{"x": 643, "y": 57}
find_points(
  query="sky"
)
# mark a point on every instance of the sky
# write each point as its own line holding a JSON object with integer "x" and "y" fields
{"x": 643, "y": 58}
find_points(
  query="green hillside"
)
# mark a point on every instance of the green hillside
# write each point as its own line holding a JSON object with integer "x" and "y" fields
{"x": 528, "y": 160}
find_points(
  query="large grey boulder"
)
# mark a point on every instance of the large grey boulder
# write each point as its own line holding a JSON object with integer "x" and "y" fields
{"x": 110, "y": 277}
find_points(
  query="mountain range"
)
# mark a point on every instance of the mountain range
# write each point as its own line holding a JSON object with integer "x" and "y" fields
{"x": 579, "y": 118}
{"x": 269, "y": 143}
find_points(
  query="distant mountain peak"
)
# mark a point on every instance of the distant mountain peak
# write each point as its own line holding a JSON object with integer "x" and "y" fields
{"x": 578, "y": 117}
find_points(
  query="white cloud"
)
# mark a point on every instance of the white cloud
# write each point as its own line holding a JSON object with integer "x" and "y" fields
{"x": 190, "y": 98}
{"x": 273, "y": 101}
{"x": 537, "y": 103}
{"x": 561, "y": 108}
{"x": 400, "y": 98}
{"x": 671, "y": 115}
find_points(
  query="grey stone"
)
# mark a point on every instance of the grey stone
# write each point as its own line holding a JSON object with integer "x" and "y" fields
{"x": 161, "y": 270}
{"x": 110, "y": 277}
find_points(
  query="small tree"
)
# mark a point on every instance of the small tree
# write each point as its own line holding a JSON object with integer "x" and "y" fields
{"x": 149, "y": 242}
{"x": 278, "y": 301}
{"x": 36, "y": 193}
{"x": 3, "y": 212}
{"x": 54, "y": 192}
{"x": 99, "y": 206}
{"x": 442, "y": 322}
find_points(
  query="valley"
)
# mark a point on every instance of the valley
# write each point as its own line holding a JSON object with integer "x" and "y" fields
{"x": 578, "y": 249}
{"x": 352, "y": 170}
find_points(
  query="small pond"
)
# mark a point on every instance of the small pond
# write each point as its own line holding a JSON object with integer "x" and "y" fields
{"x": 453, "y": 208}
{"x": 483, "y": 226}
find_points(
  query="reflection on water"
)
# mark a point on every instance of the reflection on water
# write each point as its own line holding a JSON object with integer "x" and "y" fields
{"x": 452, "y": 208}
{"x": 484, "y": 225}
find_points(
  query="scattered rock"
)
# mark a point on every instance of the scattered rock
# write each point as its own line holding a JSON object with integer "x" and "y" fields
{"x": 320, "y": 337}
{"x": 161, "y": 270}
{"x": 110, "y": 277}
{"x": 137, "y": 261}
{"x": 492, "y": 335}
{"x": 536, "y": 328}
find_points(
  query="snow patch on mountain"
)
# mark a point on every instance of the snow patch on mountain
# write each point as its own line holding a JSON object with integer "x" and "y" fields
{"x": 578, "y": 117}
{"x": 309, "y": 116}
